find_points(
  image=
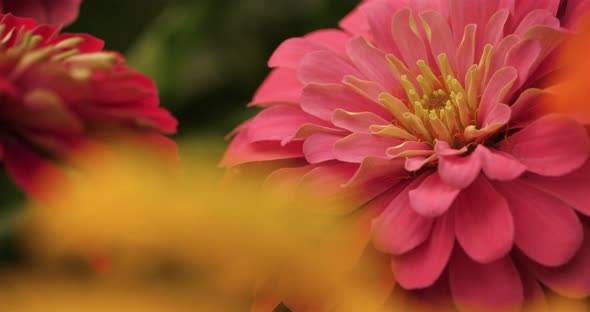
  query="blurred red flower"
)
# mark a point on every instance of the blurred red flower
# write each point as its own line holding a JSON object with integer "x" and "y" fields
{"x": 52, "y": 12}
{"x": 58, "y": 91}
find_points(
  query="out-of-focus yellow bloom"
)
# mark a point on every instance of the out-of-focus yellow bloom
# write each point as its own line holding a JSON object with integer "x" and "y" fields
{"x": 177, "y": 235}
{"x": 163, "y": 238}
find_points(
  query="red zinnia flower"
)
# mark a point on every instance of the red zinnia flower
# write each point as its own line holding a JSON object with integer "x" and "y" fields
{"x": 433, "y": 107}
{"x": 58, "y": 91}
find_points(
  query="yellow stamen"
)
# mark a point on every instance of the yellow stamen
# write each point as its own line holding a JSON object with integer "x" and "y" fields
{"x": 451, "y": 118}
{"x": 445, "y": 67}
{"x": 461, "y": 104}
{"x": 410, "y": 89}
{"x": 472, "y": 87}
{"x": 440, "y": 130}
{"x": 424, "y": 85}
{"x": 484, "y": 63}
{"x": 428, "y": 74}
{"x": 417, "y": 126}
{"x": 97, "y": 60}
{"x": 69, "y": 43}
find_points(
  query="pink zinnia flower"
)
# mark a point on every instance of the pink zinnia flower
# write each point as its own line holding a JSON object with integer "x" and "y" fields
{"x": 433, "y": 108}
{"x": 59, "y": 91}
{"x": 52, "y": 12}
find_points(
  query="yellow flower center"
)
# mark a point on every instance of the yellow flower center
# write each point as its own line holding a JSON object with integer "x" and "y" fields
{"x": 435, "y": 106}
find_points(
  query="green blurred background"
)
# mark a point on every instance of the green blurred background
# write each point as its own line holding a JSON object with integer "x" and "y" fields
{"x": 206, "y": 56}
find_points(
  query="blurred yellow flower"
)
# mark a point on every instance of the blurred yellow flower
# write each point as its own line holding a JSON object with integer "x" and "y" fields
{"x": 129, "y": 233}
{"x": 135, "y": 218}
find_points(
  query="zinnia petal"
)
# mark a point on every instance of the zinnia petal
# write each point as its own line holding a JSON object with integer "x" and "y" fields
{"x": 433, "y": 197}
{"x": 570, "y": 280}
{"x": 546, "y": 230}
{"x": 484, "y": 228}
{"x": 572, "y": 189}
{"x": 551, "y": 146}
{"x": 422, "y": 266}
{"x": 399, "y": 228}
{"x": 479, "y": 286}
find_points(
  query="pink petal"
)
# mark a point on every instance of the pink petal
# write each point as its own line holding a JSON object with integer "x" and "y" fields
{"x": 551, "y": 146}
{"x": 549, "y": 38}
{"x": 524, "y": 57}
{"x": 498, "y": 165}
{"x": 371, "y": 62}
{"x": 442, "y": 37}
{"x": 443, "y": 148}
{"x": 492, "y": 286}
{"x": 399, "y": 228}
{"x": 418, "y": 162}
{"x": 321, "y": 100}
{"x": 279, "y": 122}
{"x": 459, "y": 171}
{"x": 329, "y": 182}
{"x": 318, "y": 147}
{"x": 465, "y": 12}
{"x": 377, "y": 168}
{"x": 356, "y": 23}
{"x": 528, "y": 107}
{"x": 325, "y": 67}
{"x": 483, "y": 222}
{"x": 280, "y": 86}
{"x": 466, "y": 51}
{"x": 547, "y": 230}
{"x": 241, "y": 151}
{"x": 498, "y": 59}
{"x": 523, "y": 8}
{"x": 379, "y": 15}
{"x": 499, "y": 116}
{"x": 572, "y": 279}
{"x": 494, "y": 93}
{"x": 421, "y": 267}
{"x": 357, "y": 146}
{"x": 572, "y": 189}
{"x": 411, "y": 46}
{"x": 308, "y": 130}
{"x": 290, "y": 53}
{"x": 536, "y": 18}
{"x": 334, "y": 39}
{"x": 575, "y": 9}
{"x": 356, "y": 122}
{"x": 367, "y": 88}
{"x": 495, "y": 27}
{"x": 433, "y": 197}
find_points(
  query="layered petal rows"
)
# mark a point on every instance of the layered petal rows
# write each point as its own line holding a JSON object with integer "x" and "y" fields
{"x": 60, "y": 91}
{"x": 436, "y": 104}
